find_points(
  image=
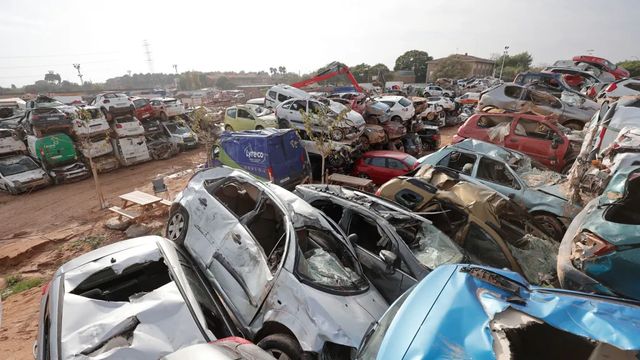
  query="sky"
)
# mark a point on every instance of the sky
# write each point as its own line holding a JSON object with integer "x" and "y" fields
{"x": 107, "y": 37}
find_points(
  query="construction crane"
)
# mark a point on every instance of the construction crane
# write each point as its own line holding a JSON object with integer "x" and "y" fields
{"x": 329, "y": 71}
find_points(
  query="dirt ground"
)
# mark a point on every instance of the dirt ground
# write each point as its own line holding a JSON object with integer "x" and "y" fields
{"x": 42, "y": 230}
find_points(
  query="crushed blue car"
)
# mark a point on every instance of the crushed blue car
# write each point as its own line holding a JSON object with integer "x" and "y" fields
{"x": 475, "y": 312}
{"x": 600, "y": 252}
{"x": 512, "y": 174}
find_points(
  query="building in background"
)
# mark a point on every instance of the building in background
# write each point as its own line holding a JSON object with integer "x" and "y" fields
{"x": 479, "y": 67}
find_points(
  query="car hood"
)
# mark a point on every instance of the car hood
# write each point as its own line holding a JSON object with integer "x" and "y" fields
{"x": 487, "y": 295}
{"x": 26, "y": 176}
{"x": 553, "y": 190}
{"x": 269, "y": 118}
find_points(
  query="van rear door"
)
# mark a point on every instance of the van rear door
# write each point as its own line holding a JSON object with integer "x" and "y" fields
{"x": 287, "y": 157}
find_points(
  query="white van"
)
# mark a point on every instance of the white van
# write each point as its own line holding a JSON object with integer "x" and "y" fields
{"x": 95, "y": 146}
{"x": 131, "y": 150}
{"x": 10, "y": 144}
{"x": 89, "y": 122}
{"x": 280, "y": 93}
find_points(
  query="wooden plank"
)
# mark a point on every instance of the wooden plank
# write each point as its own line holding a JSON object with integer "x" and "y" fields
{"x": 140, "y": 198}
{"x": 165, "y": 202}
{"x": 122, "y": 212}
{"x": 349, "y": 180}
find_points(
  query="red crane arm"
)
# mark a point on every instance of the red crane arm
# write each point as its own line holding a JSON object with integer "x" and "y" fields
{"x": 329, "y": 75}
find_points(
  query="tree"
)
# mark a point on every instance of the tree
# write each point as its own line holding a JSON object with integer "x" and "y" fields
{"x": 52, "y": 77}
{"x": 282, "y": 70}
{"x": 513, "y": 64}
{"x": 361, "y": 72}
{"x": 13, "y": 87}
{"x": 273, "y": 71}
{"x": 452, "y": 68}
{"x": 224, "y": 83}
{"x": 632, "y": 65}
{"x": 379, "y": 71}
{"x": 415, "y": 60}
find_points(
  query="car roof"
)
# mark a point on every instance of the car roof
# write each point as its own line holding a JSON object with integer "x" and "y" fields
{"x": 394, "y": 98}
{"x": 486, "y": 149}
{"x": 386, "y": 153}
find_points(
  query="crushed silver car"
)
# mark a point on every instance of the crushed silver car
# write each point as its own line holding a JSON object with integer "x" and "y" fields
{"x": 284, "y": 269}
{"x": 135, "y": 299}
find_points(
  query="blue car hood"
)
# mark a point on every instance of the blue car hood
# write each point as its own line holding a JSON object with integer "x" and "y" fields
{"x": 458, "y": 307}
{"x": 553, "y": 190}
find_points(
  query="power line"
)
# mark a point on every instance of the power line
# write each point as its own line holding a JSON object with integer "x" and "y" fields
{"x": 60, "y": 55}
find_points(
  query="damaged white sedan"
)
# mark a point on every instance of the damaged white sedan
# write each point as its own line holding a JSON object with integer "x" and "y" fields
{"x": 283, "y": 269}
{"x": 135, "y": 299}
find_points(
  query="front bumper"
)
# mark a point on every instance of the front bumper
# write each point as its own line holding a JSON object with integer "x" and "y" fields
{"x": 69, "y": 174}
{"x": 32, "y": 185}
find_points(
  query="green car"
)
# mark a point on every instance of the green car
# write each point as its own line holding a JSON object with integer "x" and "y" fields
{"x": 249, "y": 117}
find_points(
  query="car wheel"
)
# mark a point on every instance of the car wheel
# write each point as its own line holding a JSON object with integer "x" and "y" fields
{"x": 397, "y": 118}
{"x": 284, "y": 124}
{"x": 365, "y": 142}
{"x": 228, "y": 127}
{"x": 573, "y": 125}
{"x": 281, "y": 346}
{"x": 259, "y": 127}
{"x": 176, "y": 230}
{"x": 550, "y": 225}
{"x": 431, "y": 116}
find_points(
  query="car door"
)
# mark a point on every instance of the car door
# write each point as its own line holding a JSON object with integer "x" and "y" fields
{"x": 515, "y": 98}
{"x": 245, "y": 120}
{"x": 373, "y": 237}
{"x": 533, "y": 138}
{"x": 498, "y": 176}
{"x": 232, "y": 257}
{"x": 293, "y": 113}
{"x": 375, "y": 168}
{"x": 394, "y": 168}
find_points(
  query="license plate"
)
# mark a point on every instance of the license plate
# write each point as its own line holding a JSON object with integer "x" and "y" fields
{"x": 52, "y": 118}
{"x": 431, "y": 127}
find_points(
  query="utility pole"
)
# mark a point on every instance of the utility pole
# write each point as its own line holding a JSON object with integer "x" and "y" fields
{"x": 504, "y": 57}
{"x": 147, "y": 52}
{"x": 77, "y": 66}
{"x": 175, "y": 67}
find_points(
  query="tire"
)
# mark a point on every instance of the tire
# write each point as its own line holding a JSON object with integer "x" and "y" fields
{"x": 550, "y": 225}
{"x": 281, "y": 346}
{"x": 573, "y": 125}
{"x": 284, "y": 124}
{"x": 397, "y": 118}
{"x": 228, "y": 127}
{"x": 431, "y": 116}
{"x": 176, "y": 229}
{"x": 259, "y": 127}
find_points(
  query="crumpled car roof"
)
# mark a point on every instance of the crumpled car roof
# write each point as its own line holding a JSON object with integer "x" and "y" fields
{"x": 431, "y": 325}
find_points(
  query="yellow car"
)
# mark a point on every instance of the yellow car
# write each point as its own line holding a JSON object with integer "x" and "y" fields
{"x": 249, "y": 117}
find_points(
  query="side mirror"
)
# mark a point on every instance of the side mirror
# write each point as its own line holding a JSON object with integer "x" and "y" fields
{"x": 389, "y": 258}
{"x": 353, "y": 239}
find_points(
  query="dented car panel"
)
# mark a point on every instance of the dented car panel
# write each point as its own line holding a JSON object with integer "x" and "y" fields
{"x": 600, "y": 251}
{"x": 19, "y": 173}
{"x": 280, "y": 267}
{"x": 128, "y": 300}
{"x": 504, "y": 318}
{"x": 492, "y": 229}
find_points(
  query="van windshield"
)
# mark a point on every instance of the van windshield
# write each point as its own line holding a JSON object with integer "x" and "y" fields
{"x": 177, "y": 129}
{"x": 19, "y": 165}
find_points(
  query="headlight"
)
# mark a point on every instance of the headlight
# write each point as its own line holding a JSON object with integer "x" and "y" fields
{"x": 587, "y": 246}
{"x": 337, "y": 135}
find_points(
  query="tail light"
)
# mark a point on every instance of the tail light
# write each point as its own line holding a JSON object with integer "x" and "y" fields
{"x": 588, "y": 246}
{"x": 106, "y": 101}
{"x": 378, "y": 192}
{"x": 119, "y": 126}
{"x": 611, "y": 87}
{"x": 592, "y": 92}
{"x": 270, "y": 173}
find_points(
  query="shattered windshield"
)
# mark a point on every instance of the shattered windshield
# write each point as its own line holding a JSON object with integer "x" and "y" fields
{"x": 326, "y": 261}
{"x": 24, "y": 164}
{"x": 428, "y": 244}
{"x": 177, "y": 129}
{"x": 262, "y": 111}
{"x": 533, "y": 173}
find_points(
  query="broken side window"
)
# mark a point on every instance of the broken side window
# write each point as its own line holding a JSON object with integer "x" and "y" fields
{"x": 626, "y": 211}
{"x": 534, "y": 129}
{"x": 238, "y": 197}
{"x": 325, "y": 260}
{"x": 332, "y": 210}
{"x": 429, "y": 245}
{"x": 482, "y": 249}
{"x": 458, "y": 161}
{"x": 496, "y": 172}
{"x": 514, "y": 92}
{"x": 283, "y": 98}
{"x": 370, "y": 237}
{"x": 489, "y": 121}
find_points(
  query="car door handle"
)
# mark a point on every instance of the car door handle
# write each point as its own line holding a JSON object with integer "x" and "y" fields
{"x": 203, "y": 202}
{"x": 236, "y": 238}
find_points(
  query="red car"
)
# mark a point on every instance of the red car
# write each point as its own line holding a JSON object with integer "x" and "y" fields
{"x": 603, "y": 64}
{"x": 535, "y": 135}
{"x": 143, "y": 109}
{"x": 382, "y": 166}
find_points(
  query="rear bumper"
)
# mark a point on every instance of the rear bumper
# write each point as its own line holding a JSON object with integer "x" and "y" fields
{"x": 63, "y": 175}
{"x": 106, "y": 163}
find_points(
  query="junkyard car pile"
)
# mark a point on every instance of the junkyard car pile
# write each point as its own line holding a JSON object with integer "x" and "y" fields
{"x": 462, "y": 253}
{"x": 44, "y": 141}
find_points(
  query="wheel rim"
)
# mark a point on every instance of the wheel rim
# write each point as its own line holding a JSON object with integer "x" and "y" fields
{"x": 278, "y": 354}
{"x": 175, "y": 227}
{"x": 228, "y": 128}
